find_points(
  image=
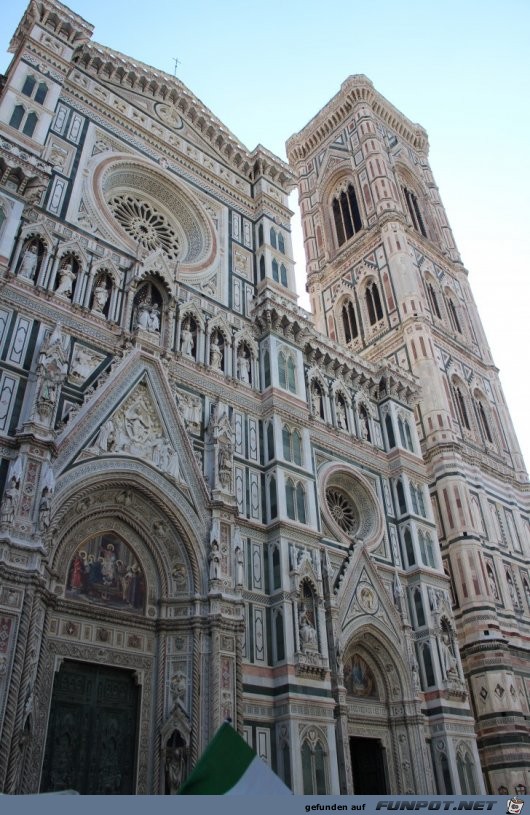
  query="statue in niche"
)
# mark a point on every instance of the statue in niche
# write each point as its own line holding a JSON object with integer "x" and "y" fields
{"x": 364, "y": 423}
{"x": 308, "y": 633}
{"x": 513, "y": 593}
{"x": 316, "y": 401}
{"x": 52, "y": 369}
{"x": 415, "y": 673}
{"x": 341, "y": 415}
{"x": 338, "y": 656}
{"x": 186, "y": 340}
{"x": 449, "y": 662}
{"x": 493, "y": 584}
{"x": 142, "y": 317}
{"x": 45, "y": 507}
{"x": 154, "y": 319}
{"x": 176, "y": 763}
{"x": 66, "y": 280}
{"x": 225, "y": 464}
{"x": 177, "y": 688}
{"x": 101, "y": 295}
{"x": 214, "y": 559}
{"x": 243, "y": 366}
{"x": 10, "y": 501}
{"x": 148, "y": 315}
{"x": 30, "y": 260}
{"x": 398, "y": 591}
{"x": 216, "y": 353}
{"x": 240, "y": 566}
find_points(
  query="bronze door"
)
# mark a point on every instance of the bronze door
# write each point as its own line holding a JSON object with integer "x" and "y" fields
{"x": 91, "y": 743}
{"x": 368, "y": 766}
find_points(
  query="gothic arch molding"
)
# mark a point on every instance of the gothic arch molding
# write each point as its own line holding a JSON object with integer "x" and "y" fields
{"x": 166, "y": 509}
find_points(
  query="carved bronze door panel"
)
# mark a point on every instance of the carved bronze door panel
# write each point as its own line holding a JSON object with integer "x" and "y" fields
{"x": 91, "y": 743}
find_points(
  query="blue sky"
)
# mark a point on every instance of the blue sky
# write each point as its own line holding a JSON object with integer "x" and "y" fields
{"x": 461, "y": 69}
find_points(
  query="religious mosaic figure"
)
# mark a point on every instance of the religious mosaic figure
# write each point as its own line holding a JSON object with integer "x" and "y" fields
{"x": 358, "y": 678}
{"x": 104, "y": 571}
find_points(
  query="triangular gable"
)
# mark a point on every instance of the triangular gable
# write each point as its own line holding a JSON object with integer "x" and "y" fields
{"x": 335, "y": 159}
{"x": 362, "y": 594}
{"x": 134, "y": 414}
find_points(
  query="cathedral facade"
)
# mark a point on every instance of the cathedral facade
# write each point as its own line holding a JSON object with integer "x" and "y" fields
{"x": 216, "y": 504}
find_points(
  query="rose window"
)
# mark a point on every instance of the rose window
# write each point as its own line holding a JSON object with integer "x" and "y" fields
{"x": 342, "y": 509}
{"x": 145, "y": 224}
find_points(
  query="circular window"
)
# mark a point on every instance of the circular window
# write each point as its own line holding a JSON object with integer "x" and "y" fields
{"x": 342, "y": 510}
{"x": 145, "y": 224}
{"x": 147, "y": 208}
{"x": 350, "y": 505}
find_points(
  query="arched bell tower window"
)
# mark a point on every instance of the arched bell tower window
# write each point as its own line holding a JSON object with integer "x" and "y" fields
{"x": 433, "y": 300}
{"x": 453, "y": 315}
{"x": 373, "y": 303}
{"x": 349, "y": 321}
{"x": 414, "y": 211}
{"x": 461, "y": 406}
{"x": 482, "y": 417}
{"x": 346, "y": 215}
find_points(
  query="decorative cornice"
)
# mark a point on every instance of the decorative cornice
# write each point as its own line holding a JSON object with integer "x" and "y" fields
{"x": 354, "y": 90}
{"x": 108, "y": 65}
{"x": 61, "y": 21}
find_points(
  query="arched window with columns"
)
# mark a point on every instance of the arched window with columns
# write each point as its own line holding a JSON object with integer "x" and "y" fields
{"x": 458, "y": 389}
{"x": 345, "y": 214}
{"x": 373, "y": 303}
{"x": 349, "y": 321}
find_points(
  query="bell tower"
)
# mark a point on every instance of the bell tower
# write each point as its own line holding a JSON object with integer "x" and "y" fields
{"x": 385, "y": 279}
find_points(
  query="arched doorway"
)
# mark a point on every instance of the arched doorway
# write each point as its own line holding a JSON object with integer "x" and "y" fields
{"x": 367, "y": 751}
{"x": 120, "y": 563}
{"x": 384, "y": 720}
